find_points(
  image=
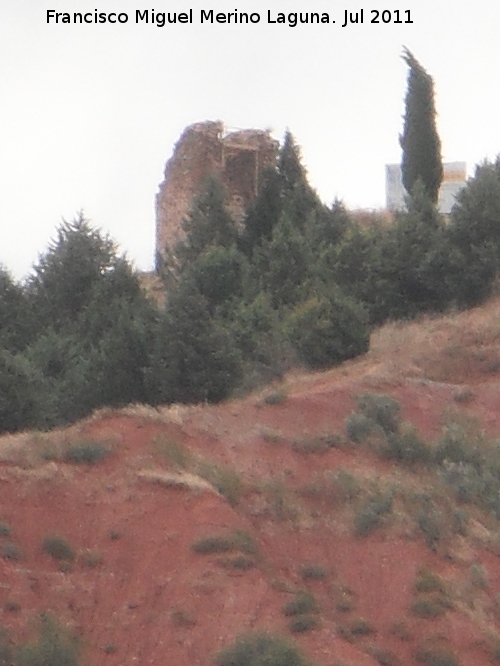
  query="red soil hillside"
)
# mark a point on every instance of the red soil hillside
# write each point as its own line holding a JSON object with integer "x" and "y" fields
{"x": 287, "y": 491}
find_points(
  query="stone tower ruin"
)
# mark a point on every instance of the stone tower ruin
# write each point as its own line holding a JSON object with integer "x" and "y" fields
{"x": 205, "y": 149}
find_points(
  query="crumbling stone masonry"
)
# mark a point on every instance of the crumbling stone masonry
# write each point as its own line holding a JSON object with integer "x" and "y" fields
{"x": 205, "y": 149}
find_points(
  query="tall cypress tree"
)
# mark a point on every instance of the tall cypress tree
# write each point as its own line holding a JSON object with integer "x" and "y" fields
{"x": 420, "y": 141}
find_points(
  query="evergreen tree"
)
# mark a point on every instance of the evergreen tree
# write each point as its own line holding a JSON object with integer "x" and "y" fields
{"x": 281, "y": 265}
{"x": 66, "y": 385}
{"x": 264, "y": 212}
{"x": 15, "y": 318}
{"x": 420, "y": 141}
{"x": 219, "y": 274}
{"x": 208, "y": 224}
{"x": 475, "y": 218}
{"x": 19, "y": 393}
{"x": 64, "y": 278}
{"x": 328, "y": 328}
{"x": 194, "y": 359}
{"x": 257, "y": 331}
{"x": 300, "y": 203}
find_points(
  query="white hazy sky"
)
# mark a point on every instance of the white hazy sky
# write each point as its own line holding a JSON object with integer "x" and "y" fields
{"x": 89, "y": 114}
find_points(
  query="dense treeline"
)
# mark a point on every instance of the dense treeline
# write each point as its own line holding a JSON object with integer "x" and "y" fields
{"x": 300, "y": 282}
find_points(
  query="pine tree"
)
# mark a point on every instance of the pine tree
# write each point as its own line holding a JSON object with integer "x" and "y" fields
{"x": 65, "y": 277}
{"x": 194, "y": 358}
{"x": 208, "y": 224}
{"x": 264, "y": 212}
{"x": 299, "y": 200}
{"x": 14, "y": 314}
{"x": 420, "y": 141}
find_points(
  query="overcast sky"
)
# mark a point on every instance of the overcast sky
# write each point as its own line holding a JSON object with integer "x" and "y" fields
{"x": 89, "y": 114}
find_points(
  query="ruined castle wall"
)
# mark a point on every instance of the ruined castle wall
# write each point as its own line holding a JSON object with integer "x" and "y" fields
{"x": 203, "y": 150}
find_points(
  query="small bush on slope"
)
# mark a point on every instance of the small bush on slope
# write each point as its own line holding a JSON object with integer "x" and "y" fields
{"x": 55, "y": 646}
{"x": 261, "y": 650}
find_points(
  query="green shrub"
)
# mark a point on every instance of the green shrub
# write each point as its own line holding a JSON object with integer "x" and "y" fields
{"x": 242, "y": 563}
{"x": 406, "y": 448}
{"x": 55, "y": 646}
{"x": 174, "y": 452}
{"x": 346, "y": 485}
{"x": 238, "y": 540}
{"x": 328, "y": 329}
{"x": 400, "y": 629}
{"x": 460, "y": 443}
{"x": 478, "y": 576}
{"x": 11, "y": 607}
{"x": 313, "y": 572}
{"x": 261, "y": 650}
{"x": 5, "y": 648}
{"x": 303, "y": 603}
{"x": 226, "y": 480}
{"x": 381, "y": 409}
{"x": 360, "y": 627}
{"x": 270, "y": 435}
{"x": 384, "y": 657}
{"x": 302, "y": 623}
{"x": 428, "y": 581}
{"x": 432, "y": 524}
{"x": 88, "y": 453}
{"x": 182, "y": 618}
{"x": 58, "y": 548}
{"x": 428, "y": 608}
{"x": 10, "y": 551}
{"x": 91, "y": 558}
{"x": 5, "y": 529}
{"x": 370, "y": 514}
{"x": 358, "y": 427}
{"x": 431, "y": 654}
{"x": 215, "y": 544}
{"x": 275, "y": 397}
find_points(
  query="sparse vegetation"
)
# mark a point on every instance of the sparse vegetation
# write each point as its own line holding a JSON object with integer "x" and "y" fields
{"x": 239, "y": 563}
{"x": 354, "y": 629}
{"x": 428, "y": 581}
{"x": 58, "y": 548}
{"x": 171, "y": 450}
{"x": 5, "y": 529}
{"x": 238, "y": 540}
{"x": 261, "y": 650}
{"x": 385, "y": 657}
{"x": 86, "y": 452}
{"x": 302, "y": 623}
{"x": 276, "y": 397}
{"x": 110, "y": 648}
{"x": 182, "y": 618}
{"x": 428, "y": 608}
{"x": 358, "y": 427}
{"x": 55, "y": 646}
{"x": 372, "y": 511}
{"x": 91, "y": 558}
{"x": 379, "y": 416}
{"x": 360, "y": 627}
{"x": 270, "y": 435}
{"x": 313, "y": 572}
{"x": 317, "y": 443}
{"x": 304, "y": 603}
{"x": 10, "y": 551}
{"x": 225, "y": 479}
{"x": 400, "y": 629}
{"x": 431, "y": 653}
